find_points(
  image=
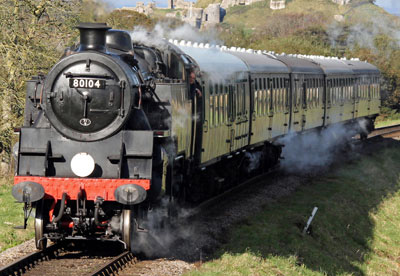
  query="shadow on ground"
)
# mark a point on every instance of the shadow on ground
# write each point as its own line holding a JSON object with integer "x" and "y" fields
{"x": 347, "y": 194}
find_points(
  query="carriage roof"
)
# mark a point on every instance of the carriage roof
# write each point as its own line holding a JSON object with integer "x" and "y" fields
{"x": 299, "y": 65}
{"x": 261, "y": 63}
{"x": 332, "y": 66}
{"x": 214, "y": 62}
{"x": 361, "y": 67}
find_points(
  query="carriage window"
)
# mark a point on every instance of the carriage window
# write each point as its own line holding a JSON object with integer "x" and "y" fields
{"x": 216, "y": 108}
{"x": 211, "y": 110}
{"x": 221, "y": 108}
{"x": 274, "y": 94}
{"x": 282, "y": 89}
{"x": 263, "y": 96}
{"x": 226, "y": 104}
{"x": 282, "y": 99}
{"x": 256, "y": 102}
{"x": 348, "y": 90}
{"x": 244, "y": 98}
{"x": 230, "y": 102}
{"x": 278, "y": 95}
{"x": 286, "y": 82}
{"x": 314, "y": 92}
{"x": 336, "y": 90}
{"x": 259, "y": 97}
{"x": 237, "y": 100}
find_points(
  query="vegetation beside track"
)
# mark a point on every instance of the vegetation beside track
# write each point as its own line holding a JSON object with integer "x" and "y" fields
{"x": 355, "y": 231}
{"x": 11, "y": 215}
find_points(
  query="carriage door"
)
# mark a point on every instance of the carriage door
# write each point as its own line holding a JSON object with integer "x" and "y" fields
{"x": 368, "y": 84}
{"x": 356, "y": 99}
{"x": 286, "y": 103}
{"x": 296, "y": 116}
{"x": 304, "y": 99}
{"x": 231, "y": 118}
{"x": 246, "y": 116}
{"x": 239, "y": 116}
{"x": 328, "y": 101}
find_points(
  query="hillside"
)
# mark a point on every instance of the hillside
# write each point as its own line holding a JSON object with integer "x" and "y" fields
{"x": 300, "y": 15}
{"x": 320, "y": 27}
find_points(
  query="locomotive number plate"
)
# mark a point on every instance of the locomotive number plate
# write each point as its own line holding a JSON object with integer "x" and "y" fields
{"x": 87, "y": 83}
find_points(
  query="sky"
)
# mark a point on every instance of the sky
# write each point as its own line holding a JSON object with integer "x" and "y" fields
{"x": 392, "y": 6}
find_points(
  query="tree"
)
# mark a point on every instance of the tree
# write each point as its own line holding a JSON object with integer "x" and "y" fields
{"x": 34, "y": 35}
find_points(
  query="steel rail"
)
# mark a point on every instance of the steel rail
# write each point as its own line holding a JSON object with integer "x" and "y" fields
{"x": 26, "y": 263}
{"x": 115, "y": 265}
{"x": 384, "y": 131}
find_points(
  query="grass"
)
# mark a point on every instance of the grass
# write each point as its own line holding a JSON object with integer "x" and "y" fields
{"x": 355, "y": 231}
{"x": 387, "y": 123}
{"x": 11, "y": 215}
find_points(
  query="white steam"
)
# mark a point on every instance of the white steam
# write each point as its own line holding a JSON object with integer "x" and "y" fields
{"x": 307, "y": 151}
{"x": 253, "y": 160}
{"x": 160, "y": 32}
{"x": 160, "y": 234}
{"x": 363, "y": 34}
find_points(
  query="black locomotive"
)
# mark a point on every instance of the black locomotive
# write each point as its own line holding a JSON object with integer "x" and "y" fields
{"x": 116, "y": 125}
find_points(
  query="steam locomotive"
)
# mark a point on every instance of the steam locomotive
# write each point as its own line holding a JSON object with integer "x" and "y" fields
{"x": 115, "y": 126}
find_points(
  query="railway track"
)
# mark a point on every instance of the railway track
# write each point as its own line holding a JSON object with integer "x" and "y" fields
{"x": 59, "y": 259}
{"x": 63, "y": 259}
{"x": 386, "y": 132}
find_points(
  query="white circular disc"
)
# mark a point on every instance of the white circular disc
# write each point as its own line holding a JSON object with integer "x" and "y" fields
{"x": 82, "y": 164}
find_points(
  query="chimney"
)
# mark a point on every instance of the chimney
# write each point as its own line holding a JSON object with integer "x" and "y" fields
{"x": 93, "y": 36}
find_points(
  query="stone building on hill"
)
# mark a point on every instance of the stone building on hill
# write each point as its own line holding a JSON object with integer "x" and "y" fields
{"x": 203, "y": 18}
{"x": 230, "y": 3}
{"x": 142, "y": 8}
{"x": 277, "y": 4}
{"x": 179, "y": 4}
{"x": 341, "y": 2}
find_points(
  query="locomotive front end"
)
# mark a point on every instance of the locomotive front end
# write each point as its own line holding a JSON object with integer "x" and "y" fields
{"x": 82, "y": 161}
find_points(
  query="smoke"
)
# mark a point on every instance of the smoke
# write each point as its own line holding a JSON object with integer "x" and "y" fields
{"x": 217, "y": 71}
{"x": 335, "y": 30}
{"x": 364, "y": 34}
{"x": 160, "y": 32}
{"x": 253, "y": 160}
{"x": 305, "y": 152}
{"x": 159, "y": 235}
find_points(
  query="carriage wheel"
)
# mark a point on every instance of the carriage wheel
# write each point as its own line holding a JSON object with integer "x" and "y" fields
{"x": 40, "y": 241}
{"x": 127, "y": 228}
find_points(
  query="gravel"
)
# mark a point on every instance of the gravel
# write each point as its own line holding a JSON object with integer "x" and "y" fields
{"x": 14, "y": 253}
